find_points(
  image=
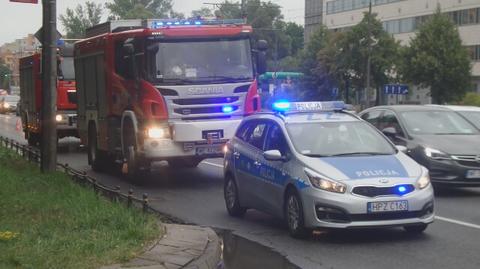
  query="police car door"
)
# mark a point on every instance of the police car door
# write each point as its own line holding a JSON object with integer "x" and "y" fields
{"x": 274, "y": 173}
{"x": 247, "y": 165}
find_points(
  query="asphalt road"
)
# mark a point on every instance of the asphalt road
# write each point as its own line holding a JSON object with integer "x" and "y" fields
{"x": 196, "y": 196}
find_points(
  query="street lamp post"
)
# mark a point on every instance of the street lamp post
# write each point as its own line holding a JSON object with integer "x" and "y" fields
{"x": 369, "y": 52}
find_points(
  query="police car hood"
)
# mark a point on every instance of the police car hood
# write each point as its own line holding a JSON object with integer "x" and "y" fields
{"x": 451, "y": 144}
{"x": 352, "y": 168}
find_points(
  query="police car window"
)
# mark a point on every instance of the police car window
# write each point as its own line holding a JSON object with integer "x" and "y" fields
{"x": 389, "y": 120}
{"x": 337, "y": 138}
{"x": 242, "y": 132}
{"x": 276, "y": 140}
{"x": 257, "y": 135}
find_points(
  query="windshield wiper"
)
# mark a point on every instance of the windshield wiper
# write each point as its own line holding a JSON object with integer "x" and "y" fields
{"x": 359, "y": 153}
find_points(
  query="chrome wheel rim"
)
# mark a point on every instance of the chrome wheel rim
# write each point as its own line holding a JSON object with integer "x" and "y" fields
{"x": 293, "y": 212}
{"x": 230, "y": 194}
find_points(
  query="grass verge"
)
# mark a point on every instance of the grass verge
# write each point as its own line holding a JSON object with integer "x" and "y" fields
{"x": 47, "y": 221}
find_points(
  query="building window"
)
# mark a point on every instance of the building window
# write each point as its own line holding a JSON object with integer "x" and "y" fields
{"x": 347, "y": 5}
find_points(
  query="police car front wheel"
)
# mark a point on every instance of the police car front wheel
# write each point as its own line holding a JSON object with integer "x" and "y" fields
{"x": 416, "y": 229}
{"x": 294, "y": 215}
{"x": 231, "y": 198}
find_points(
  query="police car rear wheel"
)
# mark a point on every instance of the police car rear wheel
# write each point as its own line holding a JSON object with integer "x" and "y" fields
{"x": 231, "y": 198}
{"x": 294, "y": 215}
{"x": 416, "y": 229}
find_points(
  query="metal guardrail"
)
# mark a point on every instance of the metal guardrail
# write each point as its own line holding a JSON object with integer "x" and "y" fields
{"x": 33, "y": 155}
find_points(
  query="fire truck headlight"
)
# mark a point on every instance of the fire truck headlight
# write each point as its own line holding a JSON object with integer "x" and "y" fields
{"x": 6, "y": 105}
{"x": 58, "y": 118}
{"x": 158, "y": 132}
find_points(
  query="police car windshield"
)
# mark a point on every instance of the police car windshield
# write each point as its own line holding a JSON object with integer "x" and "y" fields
{"x": 327, "y": 139}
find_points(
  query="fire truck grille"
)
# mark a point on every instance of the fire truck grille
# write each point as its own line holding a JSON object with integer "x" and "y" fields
{"x": 203, "y": 101}
{"x": 202, "y": 110}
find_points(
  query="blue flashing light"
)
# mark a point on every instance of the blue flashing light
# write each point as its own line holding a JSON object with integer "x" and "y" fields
{"x": 177, "y": 23}
{"x": 281, "y": 106}
{"x": 169, "y": 23}
{"x": 402, "y": 189}
{"x": 198, "y": 23}
{"x": 227, "y": 109}
{"x": 187, "y": 23}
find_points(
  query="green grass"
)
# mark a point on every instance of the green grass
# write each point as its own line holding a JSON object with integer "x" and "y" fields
{"x": 59, "y": 224}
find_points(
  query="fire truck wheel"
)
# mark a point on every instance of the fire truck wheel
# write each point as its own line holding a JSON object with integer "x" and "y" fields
{"x": 33, "y": 139}
{"x": 98, "y": 159}
{"x": 184, "y": 163}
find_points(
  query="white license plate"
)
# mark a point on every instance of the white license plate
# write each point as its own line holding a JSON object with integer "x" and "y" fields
{"x": 374, "y": 207}
{"x": 473, "y": 174}
{"x": 209, "y": 150}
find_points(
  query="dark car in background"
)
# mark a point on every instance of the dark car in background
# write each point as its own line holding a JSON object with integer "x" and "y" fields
{"x": 436, "y": 137}
{"x": 8, "y": 103}
{"x": 470, "y": 113}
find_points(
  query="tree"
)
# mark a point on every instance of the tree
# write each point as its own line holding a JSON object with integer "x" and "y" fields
{"x": 345, "y": 56}
{"x": 470, "y": 99}
{"x": 78, "y": 20}
{"x": 203, "y": 12}
{"x": 140, "y": 9}
{"x": 437, "y": 60}
{"x": 296, "y": 34}
{"x": 5, "y": 74}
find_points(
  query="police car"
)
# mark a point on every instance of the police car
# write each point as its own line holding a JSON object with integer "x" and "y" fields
{"x": 316, "y": 165}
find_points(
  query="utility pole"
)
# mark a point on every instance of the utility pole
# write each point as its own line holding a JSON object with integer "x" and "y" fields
{"x": 244, "y": 9}
{"x": 49, "y": 87}
{"x": 369, "y": 52}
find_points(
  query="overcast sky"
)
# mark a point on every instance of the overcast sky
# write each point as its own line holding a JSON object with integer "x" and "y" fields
{"x": 18, "y": 19}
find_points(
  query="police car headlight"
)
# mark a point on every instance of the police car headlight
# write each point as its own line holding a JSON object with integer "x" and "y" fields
{"x": 436, "y": 154}
{"x": 423, "y": 181}
{"x": 322, "y": 183}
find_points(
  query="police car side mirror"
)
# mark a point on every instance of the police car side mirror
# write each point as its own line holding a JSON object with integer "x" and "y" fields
{"x": 390, "y": 132}
{"x": 273, "y": 155}
{"x": 401, "y": 148}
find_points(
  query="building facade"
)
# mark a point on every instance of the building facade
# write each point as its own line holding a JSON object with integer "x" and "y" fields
{"x": 402, "y": 18}
{"x": 313, "y": 16}
{"x": 11, "y": 53}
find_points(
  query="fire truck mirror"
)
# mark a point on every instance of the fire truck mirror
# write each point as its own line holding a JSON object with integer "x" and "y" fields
{"x": 261, "y": 62}
{"x": 262, "y": 45}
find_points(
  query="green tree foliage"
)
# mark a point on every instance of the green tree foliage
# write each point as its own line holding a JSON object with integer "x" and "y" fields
{"x": 267, "y": 20}
{"x": 78, "y": 20}
{"x": 342, "y": 56}
{"x": 140, "y": 9}
{"x": 471, "y": 99}
{"x": 437, "y": 60}
{"x": 203, "y": 12}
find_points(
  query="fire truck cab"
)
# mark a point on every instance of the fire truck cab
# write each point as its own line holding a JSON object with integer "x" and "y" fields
{"x": 31, "y": 95}
{"x": 174, "y": 90}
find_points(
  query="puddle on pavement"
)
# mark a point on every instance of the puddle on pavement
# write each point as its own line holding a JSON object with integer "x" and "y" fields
{"x": 240, "y": 253}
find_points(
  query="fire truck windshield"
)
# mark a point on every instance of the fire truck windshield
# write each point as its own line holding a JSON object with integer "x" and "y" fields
{"x": 200, "y": 61}
{"x": 65, "y": 69}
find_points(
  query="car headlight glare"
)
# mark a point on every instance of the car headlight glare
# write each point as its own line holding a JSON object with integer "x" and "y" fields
{"x": 58, "y": 118}
{"x": 325, "y": 184}
{"x": 436, "y": 154}
{"x": 423, "y": 181}
{"x": 6, "y": 105}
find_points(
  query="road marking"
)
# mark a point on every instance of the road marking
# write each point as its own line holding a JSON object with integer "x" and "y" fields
{"x": 471, "y": 225}
{"x": 214, "y": 164}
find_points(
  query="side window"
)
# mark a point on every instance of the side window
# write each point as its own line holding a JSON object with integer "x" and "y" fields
{"x": 276, "y": 140}
{"x": 256, "y": 135}
{"x": 372, "y": 117}
{"x": 120, "y": 60}
{"x": 242, "y": 131}
{"x": 390, "y": 120}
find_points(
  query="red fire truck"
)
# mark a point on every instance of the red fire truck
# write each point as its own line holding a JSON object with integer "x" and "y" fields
{"x": 174, "y": 90}
{"x": 31, "y": 95}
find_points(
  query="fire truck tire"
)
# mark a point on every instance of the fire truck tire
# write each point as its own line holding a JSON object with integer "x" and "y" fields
{"x": 33, "y": 139}
{"x": 137, "y": 167}
{"x": 98, "y": 159}
{"x": 184, "y": 163}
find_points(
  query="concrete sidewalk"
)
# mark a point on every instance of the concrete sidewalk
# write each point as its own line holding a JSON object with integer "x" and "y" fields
{"x": 182, "y": 246}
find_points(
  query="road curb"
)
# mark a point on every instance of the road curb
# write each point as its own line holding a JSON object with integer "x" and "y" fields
{"x": 182, "y": 246}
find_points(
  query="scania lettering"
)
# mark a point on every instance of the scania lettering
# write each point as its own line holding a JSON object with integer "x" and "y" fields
{"x": 152, "y": 90}
{"x": 31, "y": 95}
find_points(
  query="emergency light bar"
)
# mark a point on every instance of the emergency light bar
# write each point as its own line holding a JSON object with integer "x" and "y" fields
{"x": 160, "y": 23}
{"x": 285, "y": 106}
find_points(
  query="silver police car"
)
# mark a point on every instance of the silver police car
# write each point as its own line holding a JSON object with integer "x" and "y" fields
{"x": 315, "y": 165}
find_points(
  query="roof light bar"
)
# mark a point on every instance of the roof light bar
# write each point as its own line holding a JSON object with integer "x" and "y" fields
{"x": 155, "y": 24}
{"x": 285, "y": 106}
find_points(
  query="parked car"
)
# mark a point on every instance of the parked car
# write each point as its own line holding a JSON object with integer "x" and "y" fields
{"x": 8, "y": 103}
{"x": 470, "y": 113}
{"x": 436, "y": 137}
